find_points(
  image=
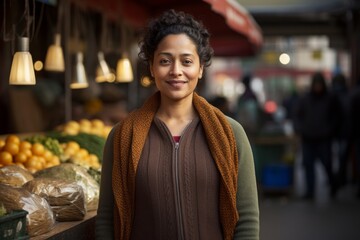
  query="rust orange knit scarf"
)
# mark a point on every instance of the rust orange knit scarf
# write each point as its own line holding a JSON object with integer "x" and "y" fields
{"x": 129, "y": 140}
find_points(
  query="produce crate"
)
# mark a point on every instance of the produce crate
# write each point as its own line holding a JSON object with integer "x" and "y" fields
{"x": 13, "y": 226}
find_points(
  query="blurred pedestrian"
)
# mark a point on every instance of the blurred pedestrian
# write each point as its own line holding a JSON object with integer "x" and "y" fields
{"x": 177, "y": 167}
{"x": 315, "y": 121}
{"x": 342, "y": 139}
{"x": 248, "y": 111}
{"x": 355, "y": 117}
{"x": 223, "y": 104}
{"x": 289, "y": 103}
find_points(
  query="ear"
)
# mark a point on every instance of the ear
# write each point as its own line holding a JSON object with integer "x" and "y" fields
{"x": 201, "y": 71}
{"x": 151, "y": 69}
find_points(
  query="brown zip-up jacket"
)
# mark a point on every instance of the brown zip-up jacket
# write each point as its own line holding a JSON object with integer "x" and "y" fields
{"x": 246, "y": 197}
{"x": 177, "y": 187}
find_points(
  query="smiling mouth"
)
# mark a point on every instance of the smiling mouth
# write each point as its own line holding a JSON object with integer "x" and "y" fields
{"x": 176, "y": 83}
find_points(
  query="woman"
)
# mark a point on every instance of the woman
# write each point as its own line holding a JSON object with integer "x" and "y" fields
{"x": 177, "y": 168}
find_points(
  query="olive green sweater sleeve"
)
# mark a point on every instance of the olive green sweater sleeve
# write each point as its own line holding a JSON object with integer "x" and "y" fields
{"x": 104, "y": 226}
{"x": 247, "y": 227}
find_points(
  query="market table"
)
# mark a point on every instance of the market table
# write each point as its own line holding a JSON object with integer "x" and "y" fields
{"x": 79, "y": 230}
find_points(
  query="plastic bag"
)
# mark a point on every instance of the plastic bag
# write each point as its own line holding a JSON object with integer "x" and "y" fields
{"x": 40, "y": 218}
{"x": 14, "y": 175}
{"x": 66, "y": 198}
{"x": 73, "y": 172}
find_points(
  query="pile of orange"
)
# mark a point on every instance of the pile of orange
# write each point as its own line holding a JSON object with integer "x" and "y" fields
{"x": 94, "y": 126}
{"x": 33, "y": 157}
{"x": 75, "y": 154}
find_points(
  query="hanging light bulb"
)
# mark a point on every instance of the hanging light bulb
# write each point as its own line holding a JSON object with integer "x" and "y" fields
{"x": 22, "y": 68}
{"x": 124, "y": 71}
{"x": 103, "y": 73}
{"x": 54, "y": 60}
{"x": 79, "y": 79}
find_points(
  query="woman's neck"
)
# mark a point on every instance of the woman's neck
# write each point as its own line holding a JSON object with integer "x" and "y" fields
{"x": 176, "y": 115}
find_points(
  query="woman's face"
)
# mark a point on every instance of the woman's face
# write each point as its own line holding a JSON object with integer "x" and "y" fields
{"x": 176, "y": 67}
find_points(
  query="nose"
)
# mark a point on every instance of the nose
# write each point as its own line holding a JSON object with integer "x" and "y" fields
{"x": 176, "y": 69}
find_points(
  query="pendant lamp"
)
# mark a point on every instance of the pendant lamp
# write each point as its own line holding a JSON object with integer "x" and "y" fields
{"x": 124, "y": 71}
{"x": 54, "y": 60}
{"x": 79, "y": 79}
{"x": 22, "y": 68}
{"x": 103, "y": 73}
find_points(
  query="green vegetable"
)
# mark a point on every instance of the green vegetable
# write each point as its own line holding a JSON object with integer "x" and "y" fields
{"x": 49, "y": 143}
{"x": 96, "y": 174}
{"x": 91, "y": 142}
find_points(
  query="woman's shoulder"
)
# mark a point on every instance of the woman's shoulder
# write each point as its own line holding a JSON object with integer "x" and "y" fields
{"x": 235, "y": 125}
{"x": 241, "y": 138}
{"x": 237, "y": 128}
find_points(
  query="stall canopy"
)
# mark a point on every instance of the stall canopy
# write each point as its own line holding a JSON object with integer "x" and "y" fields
{"x": 233, "y": 30}
{"x": 238, "y": 19}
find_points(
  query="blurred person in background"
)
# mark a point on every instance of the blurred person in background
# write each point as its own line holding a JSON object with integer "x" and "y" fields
{"x": 177, "y": 167}
{"x": 289, "y": 103}
{"x": 316, "y": 121}
{"x": 343, "y": 132}
{"x": 223, "y": 104}
{"x": 355, "y": 117}
{"x": 248, "y": 111}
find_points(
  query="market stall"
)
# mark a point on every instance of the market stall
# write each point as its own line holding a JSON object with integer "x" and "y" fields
{"x": 54, "y": 178}
{"x": 79, "y": 230}
{"x": 54, "y": 175}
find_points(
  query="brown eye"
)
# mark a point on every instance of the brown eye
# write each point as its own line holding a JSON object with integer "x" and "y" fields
{"x": 187, "y": 62}
{"x": 164, "y": 61}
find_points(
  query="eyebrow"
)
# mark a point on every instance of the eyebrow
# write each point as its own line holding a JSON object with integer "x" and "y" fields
{"x": 169, "y": 54}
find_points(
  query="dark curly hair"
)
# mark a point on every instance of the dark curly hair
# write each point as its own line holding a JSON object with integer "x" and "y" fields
{"x": 172, "y": 22}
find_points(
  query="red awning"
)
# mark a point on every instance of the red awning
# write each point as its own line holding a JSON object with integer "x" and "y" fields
{"x": 233, "y": 30}
{"x": 238, "y": 19}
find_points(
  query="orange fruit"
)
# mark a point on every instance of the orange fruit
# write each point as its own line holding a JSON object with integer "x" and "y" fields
{"x": 85, "y": 125}
{"x": 55, "y": 160}
{"x": 13, "y": 139}
{"x": 78, "y": 156}
{"x": 96, "y": 165}
{"x": 38, "y": 149}
{"x": 32, "y": 162}
{"x": 73, "y": 124}
{"x": 47, "y": 155}
{"x": 11, "y": 147}
{"x": 6, "y": 158}
{"x": 25, "y": 145}
{"x": 2, "y": 143}
{"x": 93, "y": 158}
{"x": 83, "y": 152}
{"x": 73, "y": 145}
{"x": 97, "y": 123}
{"x": 40, "y": 163}
{"x": 27, "y": 152}
{"x": 85, "y": 122}
{"x": 69, "y": 152}
{"x": 20, "y": 157}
